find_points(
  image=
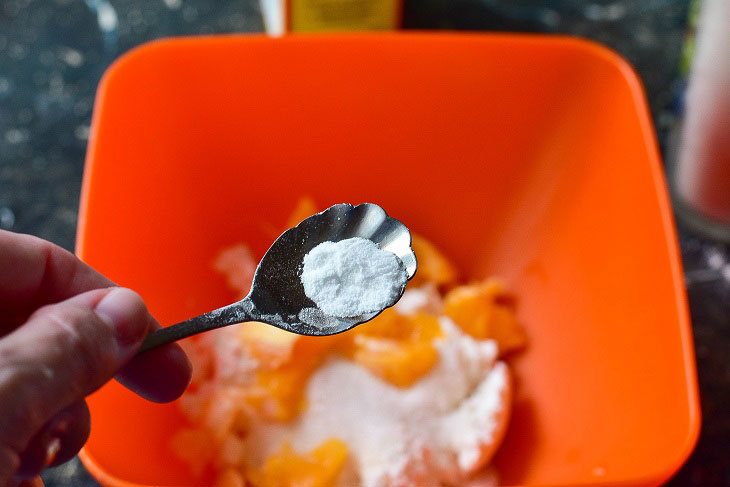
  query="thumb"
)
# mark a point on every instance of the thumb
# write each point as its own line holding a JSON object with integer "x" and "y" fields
{"x": 62, "y": 353}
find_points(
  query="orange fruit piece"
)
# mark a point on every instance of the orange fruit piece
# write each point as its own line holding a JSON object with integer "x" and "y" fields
{"x": 278, "y": 392}
{"x": 397, "y": 348}
{"x": 318, "y": 468}
{"x": 432, "y": 265}
{"x": 400, "y": 327}
{"x": 486, "y": 311}
{"x": 401, "y": 364}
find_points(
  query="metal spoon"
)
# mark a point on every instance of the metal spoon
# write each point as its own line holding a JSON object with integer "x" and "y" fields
{"x": 277, "y": 295}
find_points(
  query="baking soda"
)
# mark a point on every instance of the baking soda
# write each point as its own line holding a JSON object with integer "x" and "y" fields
{"x": 352, "y": 277}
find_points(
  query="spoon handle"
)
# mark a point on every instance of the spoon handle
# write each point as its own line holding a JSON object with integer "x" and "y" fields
{"x": 227, "y": 315}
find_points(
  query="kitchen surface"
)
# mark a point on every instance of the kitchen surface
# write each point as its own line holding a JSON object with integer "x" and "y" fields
{"x": 53, "y": 53}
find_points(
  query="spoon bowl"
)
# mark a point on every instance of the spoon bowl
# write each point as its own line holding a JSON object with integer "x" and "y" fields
{"x": 277, "y": 295}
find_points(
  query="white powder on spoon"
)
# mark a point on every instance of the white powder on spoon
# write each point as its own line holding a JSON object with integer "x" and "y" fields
{"x": 352, "y": 277}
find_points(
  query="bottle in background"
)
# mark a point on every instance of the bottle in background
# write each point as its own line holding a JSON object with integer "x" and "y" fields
{"x": 282, "y": 16}
{"x": 701, "y": 178}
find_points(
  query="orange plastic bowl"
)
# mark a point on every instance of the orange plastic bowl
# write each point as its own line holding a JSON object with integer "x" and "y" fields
{"x": 528, "y": 157}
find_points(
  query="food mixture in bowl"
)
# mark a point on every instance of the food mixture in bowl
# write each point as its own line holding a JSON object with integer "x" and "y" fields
{"x": 419, "y": 396}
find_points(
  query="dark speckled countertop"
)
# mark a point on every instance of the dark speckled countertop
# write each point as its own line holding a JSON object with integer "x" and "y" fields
{"x": 53, "y": 52}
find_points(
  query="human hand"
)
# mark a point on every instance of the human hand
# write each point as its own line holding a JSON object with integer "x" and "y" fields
{"x": 65, "y": 330}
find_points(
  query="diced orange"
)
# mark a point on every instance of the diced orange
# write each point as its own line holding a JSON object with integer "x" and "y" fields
{"x": 305, "y": 208}
{"x": 391, "y": 324}
{"x": 399, "y": 363}
{"x": 471, "y": 307}
{"x": 331, "y": 455}
{"x": 507, "y": 330}
{"x": 278, "y": 392}
{"x": 397, "y": 348}
{"x": 432, "y": 265}
{"x": 318, "y": 468}
{"x": 484, "y": 310}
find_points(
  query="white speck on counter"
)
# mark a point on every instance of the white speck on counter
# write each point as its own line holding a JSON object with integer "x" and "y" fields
{"x": 82, "y": 132}
{"x": 352, "y": 277}
{"x": 106, "y": 15}
{"x": 715, "y": 258}
{"x": 7, "y": 218}
{"x": 70, "y": 56}
{"x": 172, "y": 4}
{"x": 4, "y": 86}
{"x": 726, "y": 272}
{"x": 16, "y": 136}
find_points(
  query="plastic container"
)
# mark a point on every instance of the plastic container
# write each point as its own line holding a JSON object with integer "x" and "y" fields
{"x": 528, "y": 157}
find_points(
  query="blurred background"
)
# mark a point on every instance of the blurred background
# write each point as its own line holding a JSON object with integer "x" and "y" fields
{"x": 53, "y": 53}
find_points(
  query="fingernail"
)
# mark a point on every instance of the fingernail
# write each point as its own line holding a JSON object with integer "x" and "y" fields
{"x": 123, "y": 309}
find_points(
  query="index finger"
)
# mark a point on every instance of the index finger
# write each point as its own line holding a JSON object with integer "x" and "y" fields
{"x": 34, "y": 272}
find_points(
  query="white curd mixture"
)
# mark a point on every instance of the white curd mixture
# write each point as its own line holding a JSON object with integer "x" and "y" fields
{"x": 418, "y": 397}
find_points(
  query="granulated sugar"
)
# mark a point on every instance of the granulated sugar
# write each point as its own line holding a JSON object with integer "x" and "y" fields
{"x": 436, "y": 432}
{"x": 352, "y": 277}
